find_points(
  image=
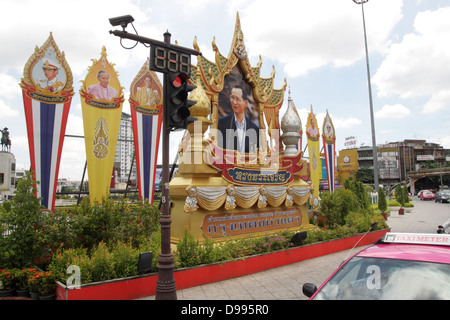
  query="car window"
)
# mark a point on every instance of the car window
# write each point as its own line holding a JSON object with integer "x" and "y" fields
{"x": 373, "y": 278}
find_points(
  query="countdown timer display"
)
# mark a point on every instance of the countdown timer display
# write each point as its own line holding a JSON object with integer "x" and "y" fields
{"x": 169, "y": 60}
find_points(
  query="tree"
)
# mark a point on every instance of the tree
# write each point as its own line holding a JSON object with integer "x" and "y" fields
{"x": 405, "y": 194}
{"x": 382, "y": 204}
{"x": 399, "y": 195}
{"x": 365, "y": 175}
{"x": 358, "y": 189}
{"x": 24, "y": 220}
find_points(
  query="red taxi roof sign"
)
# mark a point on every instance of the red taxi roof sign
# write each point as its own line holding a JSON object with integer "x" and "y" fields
{"x": 417, "y": 238}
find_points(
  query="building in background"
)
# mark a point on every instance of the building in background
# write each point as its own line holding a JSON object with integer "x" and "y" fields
{"x": 124, "y": 157}
{"x": 7, "y": 175}
{"x": 347, "y": 164}
{"x": 395, "y": 159}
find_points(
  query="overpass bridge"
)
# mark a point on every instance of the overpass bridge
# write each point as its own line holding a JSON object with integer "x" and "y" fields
{"x": 417, "y": 175}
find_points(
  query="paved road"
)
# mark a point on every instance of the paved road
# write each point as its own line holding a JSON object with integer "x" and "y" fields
{"x": 285, "y": 283}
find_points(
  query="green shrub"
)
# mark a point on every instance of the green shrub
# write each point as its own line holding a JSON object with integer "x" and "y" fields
{"x": 408, "y": 205}
{"x": 360, "y": 221}
{"x": 363, "y": 222}
{"x": 393, "y": 203}
{"x": 125, "y": 259}
{"x": 405, "y": 195}
{"x": 102, "y": 263}
{"x": 23, "y": 220}
{"x": 324, "y": 234}
{"x": 359, "y": 191}
{"x": 64, "y": 258}
{"x": 187, "y": 254}
{"x": 334, "y": 207}
{"x": 382, "y": 204}
{"x": 399, "y": 194}
{"x": 87, "y": 225}
{"x": 208, "y": 252}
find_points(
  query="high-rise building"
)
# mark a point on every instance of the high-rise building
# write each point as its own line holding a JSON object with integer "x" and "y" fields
{"x": 124, "y": 157}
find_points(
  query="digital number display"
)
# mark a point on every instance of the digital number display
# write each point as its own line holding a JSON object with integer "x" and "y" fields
{"x": 167, "y": 60}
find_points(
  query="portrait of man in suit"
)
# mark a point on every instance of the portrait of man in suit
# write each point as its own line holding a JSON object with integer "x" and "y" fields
{"x": 237, "y": 131}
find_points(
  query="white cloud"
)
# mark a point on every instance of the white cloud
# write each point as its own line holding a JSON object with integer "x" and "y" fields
{"x": 346, "y": 123}
{"x": 438, "y": 101}
{"x": 19, "y": 142}
{"x": 338, "y": 122}
{"x": 9, "y": 90}
{"x": 311, "y": 34}
{"x": 73, "y": 159}
{"x": 417, "y": 66}
{"x": 79, "y": 27}
{"x": 443, "y": 141}
{"x": 7, "y": 111}
{"x": 9, "y": 87}
{"x": 396, "y": 111}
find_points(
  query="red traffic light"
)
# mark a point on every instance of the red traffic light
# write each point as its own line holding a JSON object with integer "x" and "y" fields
{"x": 179, "y": 80}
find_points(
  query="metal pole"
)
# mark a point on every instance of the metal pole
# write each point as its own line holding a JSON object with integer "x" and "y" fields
{"x": 374, "y": 143}
{"x": 165, "y": 285}
{"x": 81, "y": 183}
{"x": 129, "y": 174}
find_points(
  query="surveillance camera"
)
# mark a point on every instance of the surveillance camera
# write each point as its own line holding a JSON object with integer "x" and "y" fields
{"x": 122, "y": 21}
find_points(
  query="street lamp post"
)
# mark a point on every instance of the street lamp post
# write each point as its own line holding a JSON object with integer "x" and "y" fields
{"x": 374, "y": 143}
{"x": 165, "y": 285}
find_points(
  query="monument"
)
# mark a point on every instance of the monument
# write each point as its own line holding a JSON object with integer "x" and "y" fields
{"x": 243, "y": 178}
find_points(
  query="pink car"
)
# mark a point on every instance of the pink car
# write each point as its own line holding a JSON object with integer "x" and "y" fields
{"x": 426, "y": 195}
{"x": 404, "y": 266}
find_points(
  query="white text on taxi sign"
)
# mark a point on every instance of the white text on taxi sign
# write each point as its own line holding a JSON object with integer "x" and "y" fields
{"x": 415, "y": 238}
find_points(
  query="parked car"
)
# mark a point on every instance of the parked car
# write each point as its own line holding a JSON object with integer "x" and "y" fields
{"x": 403, "y": 266}
{"x": 426, "y": 195}
{"x": 420, "y": 192}
{"x": 442, "y": 196}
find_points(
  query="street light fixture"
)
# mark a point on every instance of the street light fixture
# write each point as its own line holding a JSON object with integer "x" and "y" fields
{"x": 374, "y": 143}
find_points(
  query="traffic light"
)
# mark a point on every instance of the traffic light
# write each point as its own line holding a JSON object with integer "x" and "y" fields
{"x": 178, "y": 114}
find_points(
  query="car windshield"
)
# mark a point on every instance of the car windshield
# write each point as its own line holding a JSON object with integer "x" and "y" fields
{"x": 387, "y": 279}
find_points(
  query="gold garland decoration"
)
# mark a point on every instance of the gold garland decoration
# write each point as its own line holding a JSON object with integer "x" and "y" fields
{"x": 212, "y": 198}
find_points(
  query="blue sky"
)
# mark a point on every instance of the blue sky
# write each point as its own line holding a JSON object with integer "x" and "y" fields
{"x": 317, "y": 46}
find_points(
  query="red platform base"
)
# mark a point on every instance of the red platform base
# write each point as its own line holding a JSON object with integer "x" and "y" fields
{"x": 142, "y": 286}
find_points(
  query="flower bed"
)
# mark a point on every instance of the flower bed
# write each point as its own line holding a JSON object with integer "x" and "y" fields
{"x": 142, "y": 286}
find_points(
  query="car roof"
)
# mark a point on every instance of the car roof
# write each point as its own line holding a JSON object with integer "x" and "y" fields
{"x": 416, "y": 247}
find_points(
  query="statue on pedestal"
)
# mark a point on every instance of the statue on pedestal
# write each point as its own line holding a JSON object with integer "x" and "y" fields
{"x": 6, "y": 142}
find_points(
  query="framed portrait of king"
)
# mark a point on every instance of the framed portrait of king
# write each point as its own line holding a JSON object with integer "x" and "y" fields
{"x": 238, "y": 115}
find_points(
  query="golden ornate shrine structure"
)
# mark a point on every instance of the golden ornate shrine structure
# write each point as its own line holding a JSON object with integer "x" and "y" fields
{"x": 220, "y": 193}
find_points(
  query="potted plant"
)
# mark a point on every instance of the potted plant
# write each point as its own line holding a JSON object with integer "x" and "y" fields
{"x": 407, "y": 205}
{"x": 22, "y": 276}
{"x": 400, "y": 198}
{"x": 382, "y": 204}
{"x": 47, "y": 286}
{"x": 7, "y": 286}
{"x": 34, "y": 284}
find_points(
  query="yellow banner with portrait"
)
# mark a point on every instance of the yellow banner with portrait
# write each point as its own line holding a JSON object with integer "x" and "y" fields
{"x": 315, "y": 163}
{"x": 101, "y": 104}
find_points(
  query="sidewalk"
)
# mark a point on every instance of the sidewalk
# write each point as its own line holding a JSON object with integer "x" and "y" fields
{"x": 285, "y": 283}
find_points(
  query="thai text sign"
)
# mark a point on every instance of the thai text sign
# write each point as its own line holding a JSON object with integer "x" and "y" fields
{"x": 239, "y": 175}
{"x": 239, "y": 223}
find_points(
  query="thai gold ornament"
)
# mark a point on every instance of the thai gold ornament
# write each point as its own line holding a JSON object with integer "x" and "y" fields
{"x": 101, "y": 139}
